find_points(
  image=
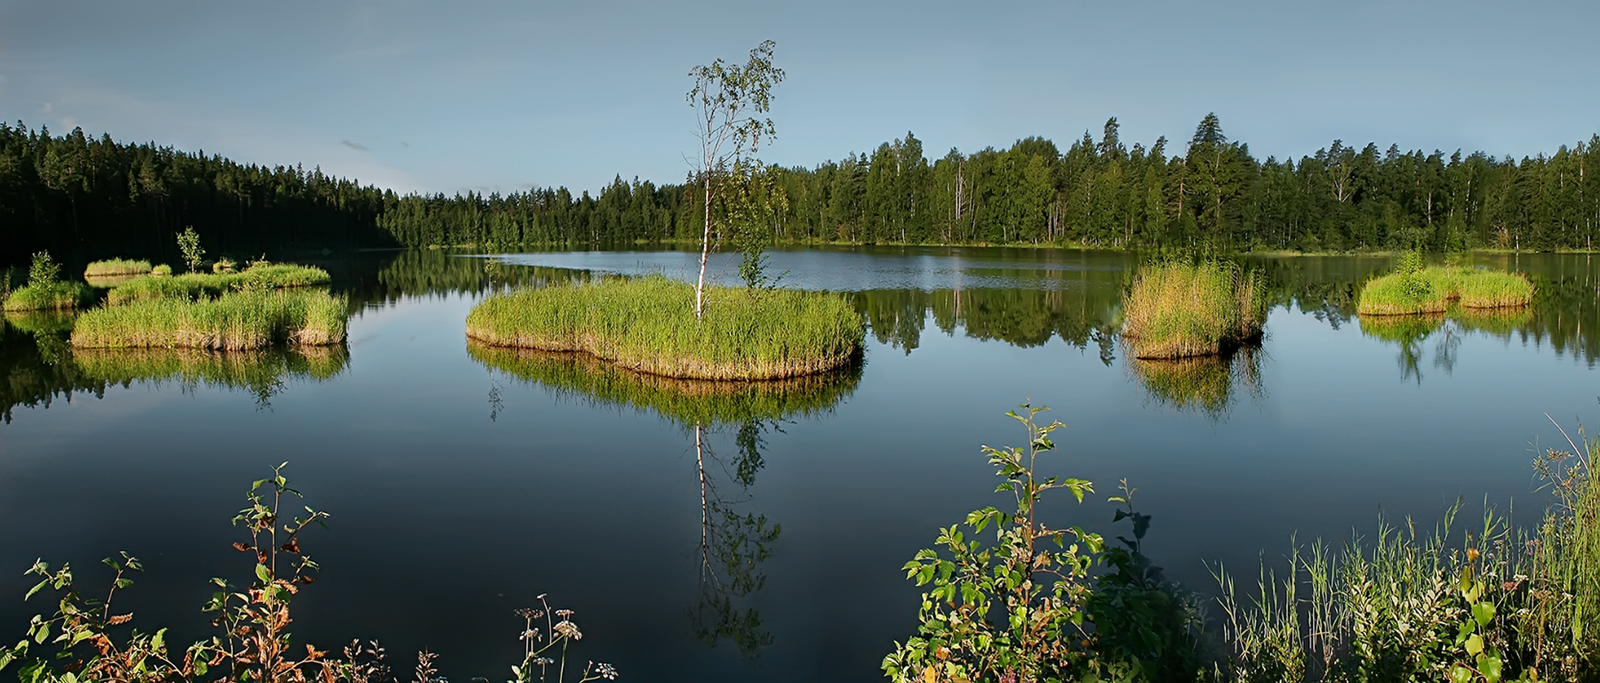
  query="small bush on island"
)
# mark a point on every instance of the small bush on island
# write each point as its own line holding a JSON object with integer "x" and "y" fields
{"x": 648, "y": 325}
{"x": 1178, "y": 310}
{"x": 45, "y": 290}
{"x": 235, "y": 321}
{"x": 116, "y": 266}
{"x": 86, "y": 641}
{"x": 259, "y": 275}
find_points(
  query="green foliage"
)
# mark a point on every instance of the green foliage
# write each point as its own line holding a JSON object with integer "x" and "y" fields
{"x": 1013, "y": 609}
{"x": 1178, "y": 310}
{"x": 44, "y": 271}
{"x": 232, "y": 322}
{"x": 1494, "y": 289}
{"x": 117, "y": 266}
{"x": 647, "y": 325}
{"x": 162, "y": 270}
{"x": 189, "y": 245}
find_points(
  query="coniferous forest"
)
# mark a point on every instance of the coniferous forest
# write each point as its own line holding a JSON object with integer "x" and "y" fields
{"x": 83, "y": 198}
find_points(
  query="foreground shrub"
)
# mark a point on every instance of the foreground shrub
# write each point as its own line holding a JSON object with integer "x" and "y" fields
{"x": 648, "y": 325}
{"x": 117, "y": 266}
{"x": 1026, "y": 608}
{"x": 1177, "y": 310}
{"x": 232, "y": 322}
{"x": 85, "y": 640}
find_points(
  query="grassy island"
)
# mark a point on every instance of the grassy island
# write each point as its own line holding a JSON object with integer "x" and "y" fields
{"x": 1413, "y": 289}
{"x": 117, "y": 266}
{"x": 235, "y": 321}
{"x": 648, "y": 325}
{"x": 259, "y": 275}
{"x": 1178, "y": 310}
{"x": 54, "y": 296}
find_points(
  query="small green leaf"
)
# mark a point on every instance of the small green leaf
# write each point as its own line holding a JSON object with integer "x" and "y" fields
{"x": 1460, "y": 674}
{"x": 124, "y": 583}
{"x": 1474, "y": 644}
{"x": 36, "y": 588}
{"x": 263, "y": 573}
{"x": 41, "y": 633}
{"x": 158, "y": 644}
{"x": 1483, "y": 612}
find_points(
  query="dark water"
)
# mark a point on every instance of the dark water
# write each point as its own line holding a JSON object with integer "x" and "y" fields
{"x": 465, "y": 481}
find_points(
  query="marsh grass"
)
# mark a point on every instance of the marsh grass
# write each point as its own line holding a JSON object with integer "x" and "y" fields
{"x": 116, "y": 266}
{"x": 1405, "y": 604}
{"x": 686, "y": 401}
{"x": 233, "y": 322}
{"x": 648, "y": 325}
{"x": 1178, "y": 310}
{"x": 1494, "y": 289}
{"x": 203, "y": 285}
{"x": 1208, "y": 384}
{"x": 52, "y": 296}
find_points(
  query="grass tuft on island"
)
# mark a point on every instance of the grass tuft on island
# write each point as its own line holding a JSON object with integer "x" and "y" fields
{"x": 235, "y": 321}
{"x": 1179, "y": 310}
{"x": 648, "y": 325}
{"x": 117, "y": 266}
{"x": 259, "y": 275}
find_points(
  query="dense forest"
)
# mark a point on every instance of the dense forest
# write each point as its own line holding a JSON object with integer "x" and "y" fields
{"x": 85, "y": 198}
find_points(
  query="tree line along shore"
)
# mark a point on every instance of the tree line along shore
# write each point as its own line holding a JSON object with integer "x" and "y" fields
{"x": 85, "y": 198}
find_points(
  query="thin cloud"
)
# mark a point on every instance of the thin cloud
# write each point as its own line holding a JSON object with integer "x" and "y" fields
{"x": 353, "y": 145}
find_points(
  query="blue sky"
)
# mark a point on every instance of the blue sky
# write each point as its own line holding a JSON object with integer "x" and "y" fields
{"x": 498, "y": 96}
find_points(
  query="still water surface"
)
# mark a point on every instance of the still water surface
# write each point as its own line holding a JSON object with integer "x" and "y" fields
{"x": 465, "y": 481}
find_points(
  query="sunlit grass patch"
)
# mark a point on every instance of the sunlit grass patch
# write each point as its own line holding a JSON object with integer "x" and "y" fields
{"x": 197, "y": 285}
{"x": 53, "y": 296}
{"x": 232, "y": 322}
{"x": 1495, "y": 289}
{"x": 648, "y": 325}
{"x": 1177, "y": 310}
{"x": 687, "y": 401}
{"x": 1404, "y": 294}
{"x": 117, "y": 266}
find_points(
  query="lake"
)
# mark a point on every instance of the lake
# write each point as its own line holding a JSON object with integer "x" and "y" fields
{"x": 463, "y": 482}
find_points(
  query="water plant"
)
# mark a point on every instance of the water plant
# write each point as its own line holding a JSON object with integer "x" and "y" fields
{"x": 1180, "y": 310}
{"x": 232, "y": 322}
{"x": 1410, "y": 289}
{"x": 46, "y": 291}
{"x": 647, "y": 325}
{"x": 116, "y": 266}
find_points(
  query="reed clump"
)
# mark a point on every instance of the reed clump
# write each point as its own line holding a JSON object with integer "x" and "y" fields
{"x": 1178, "y": 310}
{"x": 117, "y": 266}
{"x": 54, "y": 296}
{"x": 1494, "y": 603}
{"x": 235, "y": 321}
{"x": 259, "y": 275}
{"x": 1494, "y": 289}
{"x": 686, "y": 401}
{"x": 648, "y": 325}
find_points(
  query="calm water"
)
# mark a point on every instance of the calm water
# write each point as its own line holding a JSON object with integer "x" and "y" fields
{"x": 464, "y": 481}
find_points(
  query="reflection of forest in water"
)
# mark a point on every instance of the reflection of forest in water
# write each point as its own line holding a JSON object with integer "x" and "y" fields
{"x": 729, "y": 424}
{"x": 38, "y": 366}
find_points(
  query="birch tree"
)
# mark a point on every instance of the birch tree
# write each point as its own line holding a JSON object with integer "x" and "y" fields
{"x": 729, "y": 102}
